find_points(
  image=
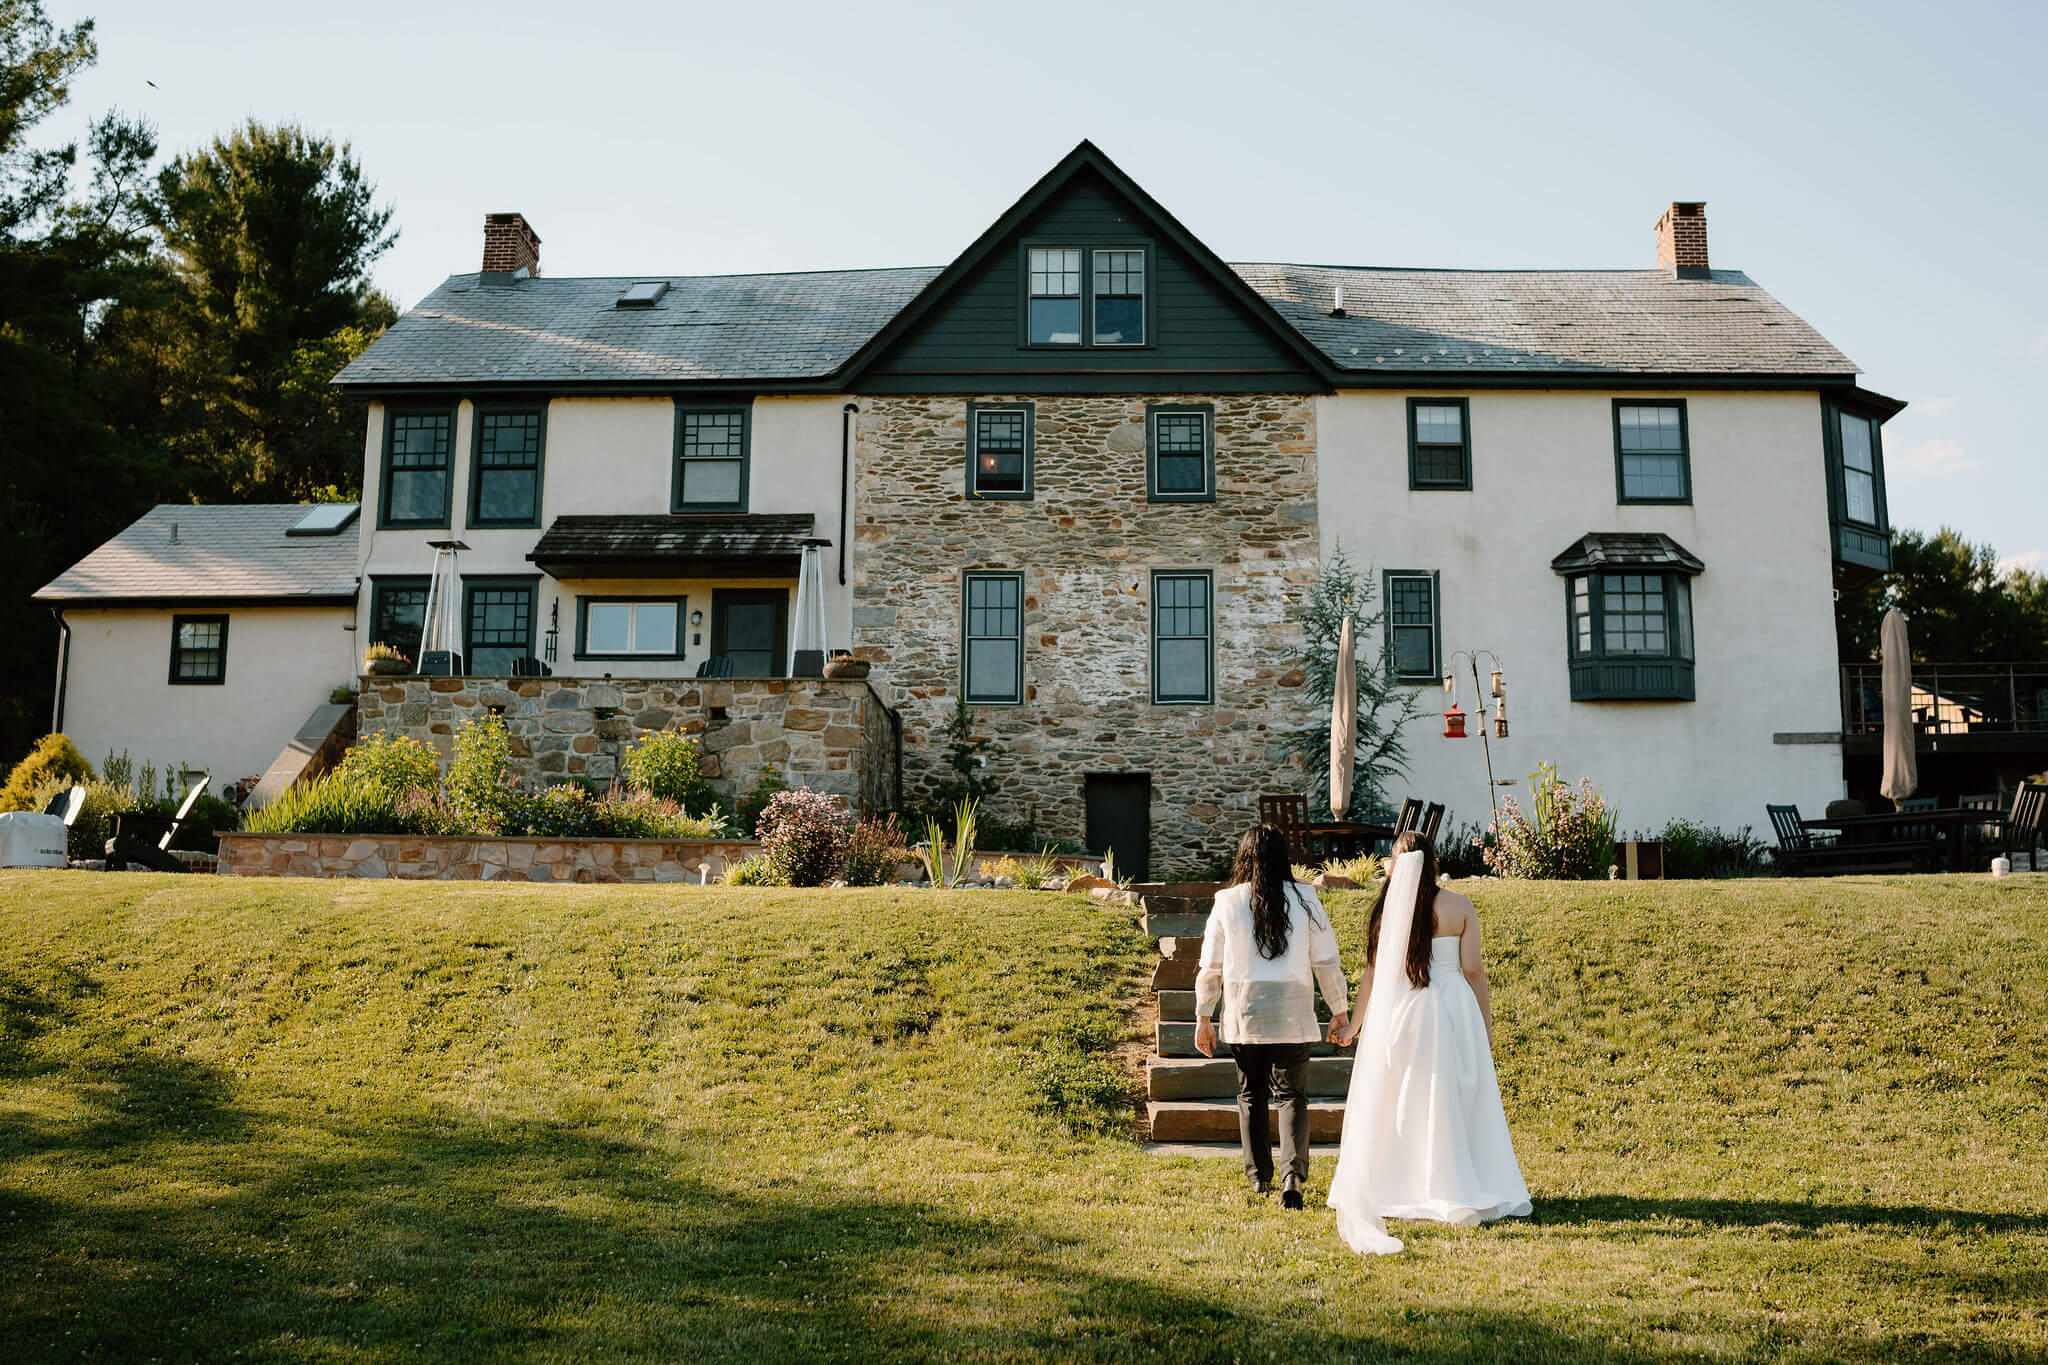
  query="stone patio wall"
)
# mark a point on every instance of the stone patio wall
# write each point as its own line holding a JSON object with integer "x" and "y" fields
{"x": 529, "y": 860}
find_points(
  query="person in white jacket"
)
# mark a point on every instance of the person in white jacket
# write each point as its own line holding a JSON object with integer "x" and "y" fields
{"x": 1267, "y": 947}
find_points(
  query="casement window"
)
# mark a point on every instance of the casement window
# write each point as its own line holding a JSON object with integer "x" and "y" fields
{"x": 505, "y": 465}
{"x": 1183, "y": 638}
{"x": 1652, "y": 460}
{"x": 992, "y": 638}
{"x": 1861, "y": 475}
{"x": 1439, "y": 443}
{"x": 199, "y": 649}
{"x": 1180, "y": 453}
{"x": 1414, "y": 625}
{"x": 1077, "y": 295}
{"x": 999, "y": 450}
{"x": 711, "y": 459}
{"x": 417, "y": 467}
{"x": 398, "y": 613}
{"x": 629, "y": 627}
{"x": 1631, "y": 635}
{"x": 497, "y": 625}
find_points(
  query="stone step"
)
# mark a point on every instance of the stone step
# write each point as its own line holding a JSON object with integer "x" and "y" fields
{"x": 1174, "y": 923}
{"x": 1207, "y": 1078}
{"x": 1178, "y": 1006}
{"x": 1177, "y": 1039}
{"x": 1175, "y": 973}
{"x": 1216, "y": 1120}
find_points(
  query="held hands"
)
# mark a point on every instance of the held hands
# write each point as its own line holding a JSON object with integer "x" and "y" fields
{"x": 1205, "y": 1037}
{"x": 1340, "y": 1031}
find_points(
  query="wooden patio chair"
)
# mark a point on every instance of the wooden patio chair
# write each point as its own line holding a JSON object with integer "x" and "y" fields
{"x": 1432, "y": 820}
{"x": 2023, "y": 827}
{"x": 1918, "y": 803}
{"x": 1802, "y": 853}
{"x": 1411, "y": 815}
{"x": 134, "y": 830}
{"x": 1288, "y": 810}
{"x": 717, "y": 666}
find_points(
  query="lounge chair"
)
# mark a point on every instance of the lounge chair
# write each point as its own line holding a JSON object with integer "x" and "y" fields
{"x": 144, "y": 837}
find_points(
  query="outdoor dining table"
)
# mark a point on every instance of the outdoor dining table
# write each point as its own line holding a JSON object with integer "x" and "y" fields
{"x": 1326, "y": 839}
{"x": 1947, "y": 830}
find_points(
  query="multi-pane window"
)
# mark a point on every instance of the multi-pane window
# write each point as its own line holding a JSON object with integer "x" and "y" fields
{"x": 711, "y": 460}
{"x": 416, "y": 446}
{"x": 199, "y": 649}
{"x": 1632, "y": 616}
{"x": 1119, "y": 298}
{"x": 632, "y": 627}
{"x": 999, "y": 451}
{"x": 1412, "y": 626}
{"x": 497, "y": 627}
{"x": 992, "y": 638}
{"x": 1183, "y": 635}
{"x": 398, "y": 614}
{"x": 1650, "y": 449}
{"x": 1859, "y": 469}
{"x": 1055, "y": 300}
{"x": 1182, "y": 463}
{"x": 506, "y": 478}
{"x": 1439, "y": 444}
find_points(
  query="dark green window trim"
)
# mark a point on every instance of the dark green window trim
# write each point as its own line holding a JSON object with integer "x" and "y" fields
{"x": 988, "y": 616}
{"x": 583, "y": 605}
{"x": 480, "y": 412}
{"x": 208, "y": 652}
{"x": 412, "y": 412}
{"x": 488, "y": 582}
{"x": 1432, "y": 582}
{"x": 1601, "y": 673}
{"x": 1086, "y": 333}
{"x": 1207, "y": 413}
{"x": 382, "y": 584}
{"x": 1838, "y": 470}
{"x": 1684, "y": 453}
{"x": 1418, "y": 452}
{"x": 1203, "y": 613}
{"x": 974, "y": 491}
{"x": 684, "y": 428}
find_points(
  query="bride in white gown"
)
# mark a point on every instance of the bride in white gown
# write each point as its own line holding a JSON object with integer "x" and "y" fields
{"x": 1424, "y": 1132}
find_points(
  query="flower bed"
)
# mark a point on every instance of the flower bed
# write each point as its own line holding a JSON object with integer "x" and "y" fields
{"x": 467, "y": 859}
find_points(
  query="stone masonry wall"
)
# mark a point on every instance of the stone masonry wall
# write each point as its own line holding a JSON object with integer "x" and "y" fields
{"x": 1086, "y": 543}
{"x": 531, "y": 860}
{"x": 821, "y": 733}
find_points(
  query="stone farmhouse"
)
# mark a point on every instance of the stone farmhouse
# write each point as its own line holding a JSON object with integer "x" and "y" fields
{"x": 1076, "y": 477}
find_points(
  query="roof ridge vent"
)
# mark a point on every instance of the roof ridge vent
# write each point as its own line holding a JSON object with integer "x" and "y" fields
{"x": 643, "y": 294}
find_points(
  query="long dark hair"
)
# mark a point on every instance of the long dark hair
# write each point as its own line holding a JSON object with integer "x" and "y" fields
{"x": 1420, "y": 932}
{"x": 1262, "y": 862}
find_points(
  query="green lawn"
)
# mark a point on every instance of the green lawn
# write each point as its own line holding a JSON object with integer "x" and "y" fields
{"x": 304, "y": 1120}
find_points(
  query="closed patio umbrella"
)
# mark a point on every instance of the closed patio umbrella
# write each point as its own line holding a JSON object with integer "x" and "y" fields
{"x": 807, "y": 641}
{"x": 1343, "y": 723}
{"x": 1901, "y": 766}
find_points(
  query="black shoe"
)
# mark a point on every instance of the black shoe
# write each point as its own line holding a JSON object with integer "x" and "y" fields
{"x": 1262, "y": 1187}
{"x": 1290, "y": 1198}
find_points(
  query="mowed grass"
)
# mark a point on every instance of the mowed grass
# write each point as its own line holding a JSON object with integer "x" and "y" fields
{"x": 304, "y": 1120}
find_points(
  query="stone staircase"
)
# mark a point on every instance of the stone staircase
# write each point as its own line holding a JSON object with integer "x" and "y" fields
{"x": 1189, "y": 1097}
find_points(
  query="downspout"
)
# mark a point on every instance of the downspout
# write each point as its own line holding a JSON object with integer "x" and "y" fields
{"x": 845, "y": 480}
{"x": 64, "y": 672}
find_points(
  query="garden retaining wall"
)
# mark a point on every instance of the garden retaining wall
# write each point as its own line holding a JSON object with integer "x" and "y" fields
{"x": 532, "y": 860}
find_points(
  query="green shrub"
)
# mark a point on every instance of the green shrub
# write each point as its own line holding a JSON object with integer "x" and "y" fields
{"x": 1693, "y": 850}
{"x": 747, "y": 810}
{"x": 561, "y": 812}
{"x": 641, "y": 816}
{"x": 752, "y": 871}
{"x": 668, "y": 765}
{"x": 874, "y": 851}
{"x": 55, "y": 759}
{"x": 95, "y": 822}
{"x": 397, "y": 762}
{"x": 1569, "y": 833}
{"x": 334, "y": 804}
{"x": 480, "y": 784}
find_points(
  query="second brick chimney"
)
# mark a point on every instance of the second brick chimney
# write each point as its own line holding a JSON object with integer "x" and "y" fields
{"x": 1682, "y": 241}
{"x": 510, "y": 245}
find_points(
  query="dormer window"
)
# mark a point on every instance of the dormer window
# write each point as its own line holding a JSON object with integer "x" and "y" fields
{"x": 1085, "y": 295}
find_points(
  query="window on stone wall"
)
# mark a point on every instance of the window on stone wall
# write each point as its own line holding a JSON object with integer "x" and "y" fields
{"x": 1183, "y": 638}
{"x": 992, "y": 638}
{"x": 1180, "y": 453}
{"x": 999, "y": 450}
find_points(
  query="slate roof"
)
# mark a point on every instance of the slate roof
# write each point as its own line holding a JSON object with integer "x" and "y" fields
{"x": 705, "y": 327}
{"x": 572, "y": 542}
{"x": 743, "y": 328}
{"x": 221, "y": 553}
{"x": 1626, "y": 550}
{"x": 1545, "y": 321}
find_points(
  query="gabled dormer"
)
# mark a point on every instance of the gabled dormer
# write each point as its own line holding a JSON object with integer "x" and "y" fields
{"x": 1088, "y": 285}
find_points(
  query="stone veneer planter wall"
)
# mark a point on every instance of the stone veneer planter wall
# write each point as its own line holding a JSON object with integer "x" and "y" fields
{"x": 1086, "y": 542}
{"x": 828, "y": 734}
{"x": 532, "y": 860}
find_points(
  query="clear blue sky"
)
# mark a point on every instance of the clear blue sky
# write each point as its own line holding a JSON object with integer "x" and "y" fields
{"x": 1879, "y": 167}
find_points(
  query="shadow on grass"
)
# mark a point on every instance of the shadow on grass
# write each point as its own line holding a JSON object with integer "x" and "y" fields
{"x": 1741, "y": 1213}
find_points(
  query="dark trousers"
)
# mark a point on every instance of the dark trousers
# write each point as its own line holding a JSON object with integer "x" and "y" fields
{"x": 1267, "y": 1072}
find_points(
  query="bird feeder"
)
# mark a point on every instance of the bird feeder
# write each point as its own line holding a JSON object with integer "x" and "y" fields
{"x": 1454, "y": 723}
{"x": 1500, "y": 689}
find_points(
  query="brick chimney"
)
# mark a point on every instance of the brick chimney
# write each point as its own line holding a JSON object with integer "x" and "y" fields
{"x": 1682, "y": 241}
{"x": 510, "y": 245}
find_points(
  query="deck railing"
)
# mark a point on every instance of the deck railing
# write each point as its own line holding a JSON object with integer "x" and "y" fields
{"x": 1952, "y": 699}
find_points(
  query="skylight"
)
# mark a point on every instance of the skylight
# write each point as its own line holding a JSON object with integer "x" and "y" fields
{"x": 325, "y": 519}
{"x": 644, "y": 294}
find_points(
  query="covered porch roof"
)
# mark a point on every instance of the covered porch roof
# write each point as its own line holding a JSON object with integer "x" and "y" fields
{"x": 673, "y": 546}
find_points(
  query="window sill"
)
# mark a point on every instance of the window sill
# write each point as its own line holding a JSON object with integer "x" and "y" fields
{"x": 976, "y": 495}
{"x": 1180, "y": 497}
{"x": 1654, "y": 502}
{"x": 708, "y": 508}
{"x": 1465, "y": 487}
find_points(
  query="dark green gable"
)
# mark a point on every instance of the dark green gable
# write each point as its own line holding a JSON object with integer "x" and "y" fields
{"x": 1206, "y": 331}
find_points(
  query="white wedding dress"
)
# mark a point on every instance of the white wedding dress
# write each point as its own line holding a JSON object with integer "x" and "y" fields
{"x": 1424, "y": 1132}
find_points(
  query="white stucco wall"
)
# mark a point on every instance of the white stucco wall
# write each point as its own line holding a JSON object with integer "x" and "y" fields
{"x": 1543, "y": 475}
{"x": 281, "y": 663}
{"x": 614, "y": 456}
